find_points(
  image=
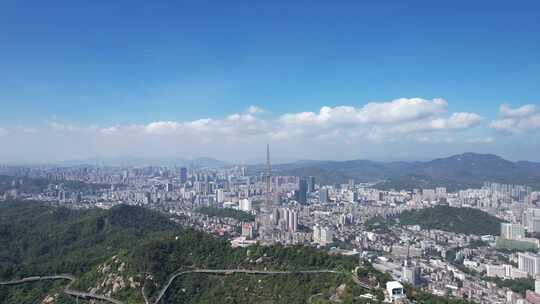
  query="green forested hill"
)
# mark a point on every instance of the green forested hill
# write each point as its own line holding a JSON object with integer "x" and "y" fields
{"x": 37, "y": 239}
{"x": 143, "y": 248}
{"x": 458, "y": 220}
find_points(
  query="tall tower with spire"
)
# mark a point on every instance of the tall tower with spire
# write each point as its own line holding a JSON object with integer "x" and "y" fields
{"x": 268, "y": 212}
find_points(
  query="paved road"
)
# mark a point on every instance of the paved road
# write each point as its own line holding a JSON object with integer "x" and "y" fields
{"x": 67, "y": 289}
{"x": 361, "y": 283}
{"x": 232, "y": 271}
{"x": 85, "y": 295}
{"x": 310, "y": 300}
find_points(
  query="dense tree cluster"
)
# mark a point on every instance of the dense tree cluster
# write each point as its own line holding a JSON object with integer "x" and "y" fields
{"x": 37, "y": 239}
{"x": 458, "y": 220}
{"x": 517, "y": 285}
{"x": 227, "y": 212}
{"x": 419, "y": 296}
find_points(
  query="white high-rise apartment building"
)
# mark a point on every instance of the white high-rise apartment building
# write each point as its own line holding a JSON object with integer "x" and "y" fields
{"x": 440, "y": 192}
{"x": 512, "y": 231}
{"x": 292, "y": 222}
{"x": 322, "y": 235}
{"x": 531, "y": 219}
{"x": 288, "y": 219}
{"x": 316, "y": 233}
{"x": 529, "y": 263}
{"x": 244, "y": 205}
{"x": 220, "y": 195}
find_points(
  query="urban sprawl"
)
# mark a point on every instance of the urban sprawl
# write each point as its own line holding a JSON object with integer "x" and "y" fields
{"x": 348, "y": 219}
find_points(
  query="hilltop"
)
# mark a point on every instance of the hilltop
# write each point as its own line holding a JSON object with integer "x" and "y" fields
{"x": 458, "y": 220}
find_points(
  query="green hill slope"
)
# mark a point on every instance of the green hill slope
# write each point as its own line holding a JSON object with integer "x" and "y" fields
{"x": 38, "y": 239}
{"x": 458, "y": 220}
{"x": 126, "y": 249}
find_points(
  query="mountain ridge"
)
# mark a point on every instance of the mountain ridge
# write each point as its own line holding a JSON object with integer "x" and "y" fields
{"x": 456, "y": 172}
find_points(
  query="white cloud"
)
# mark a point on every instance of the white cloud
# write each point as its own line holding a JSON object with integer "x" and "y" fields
{"x": 399, "y": 110}
{"x": 456, "y": 121}
{"x": 109, "y": 130}
{"x": 410, "y": 120}
{"x": 506, "y": 111}
{"x": 481, "y": 140}
{"x": 255, "y": 110}
{"x": 162, "y": 127}
{"x": 378, "y": 121}
{"x": 29, "y": 130}
{"x": 18, "y": 131}
{"x": 516, "y": 120}
{"x": 505, "y": 125}
{"x": 374, "y": 121}
{"x": 403, "y": 109}
{"x": 234, "y": 125}
{"x": 462, "y": 120}
{"x": 427, "y": 139}
{"x": 58, "y": 126}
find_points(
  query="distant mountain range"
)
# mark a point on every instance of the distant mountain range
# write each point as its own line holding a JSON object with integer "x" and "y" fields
{"x": 455, "y": 172}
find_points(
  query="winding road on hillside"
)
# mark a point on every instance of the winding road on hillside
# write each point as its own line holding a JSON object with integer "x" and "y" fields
{"x": 86, "y": 295}
{"x": 254, "y": 272}
{"x": 67, "y": 290}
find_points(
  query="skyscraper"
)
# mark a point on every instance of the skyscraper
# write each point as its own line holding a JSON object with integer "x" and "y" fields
{"x": 323, "y": 195}
{"x": 244, "y": 205}
{"x": 288, "y": 219}
{"x": 301, "y": 195}
{"x": 529, "y": 262}
{"x": 311, "y": 184}
{"x": 292, "y": 221}
{"x": 183, "y": 175}
{"x": 220, "y": 195}
{"x": 512, "y": 231}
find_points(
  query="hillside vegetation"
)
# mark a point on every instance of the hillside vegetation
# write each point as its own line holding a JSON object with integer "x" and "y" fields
{"x": 121, "y": 251}
{"x": 37, "y": 239}
{"x": 458, "y": 220}
{"x": 226, "y": 212}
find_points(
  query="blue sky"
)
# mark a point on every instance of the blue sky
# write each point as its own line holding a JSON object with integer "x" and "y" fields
{"x": 121, "y": 63}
